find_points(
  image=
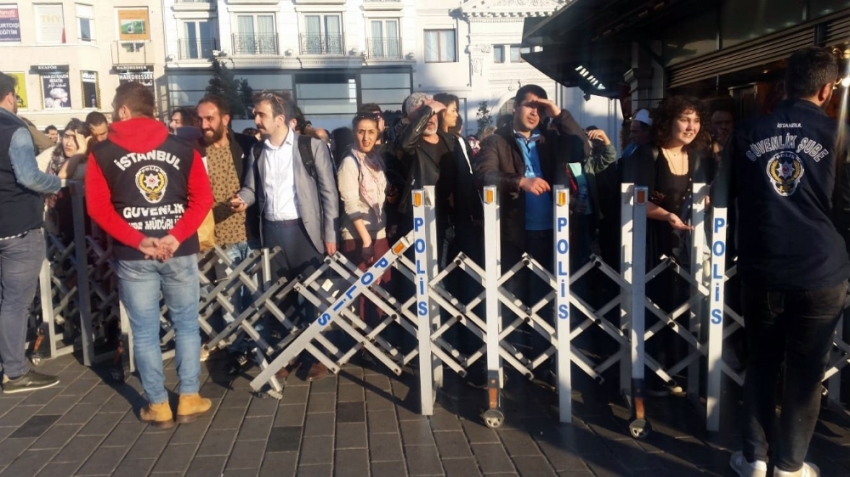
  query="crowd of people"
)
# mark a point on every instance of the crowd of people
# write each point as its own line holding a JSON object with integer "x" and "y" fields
{"x": 310, "y": 192}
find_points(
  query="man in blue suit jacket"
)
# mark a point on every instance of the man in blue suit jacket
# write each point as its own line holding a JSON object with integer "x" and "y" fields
{"x": 298, "y": 206}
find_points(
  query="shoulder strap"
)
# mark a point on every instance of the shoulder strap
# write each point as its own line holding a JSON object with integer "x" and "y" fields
{"x": 304, "y": 147}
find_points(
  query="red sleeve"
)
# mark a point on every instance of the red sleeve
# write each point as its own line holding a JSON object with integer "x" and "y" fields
{"x": 200, "y": 201}
{"x": 101, "y": 210}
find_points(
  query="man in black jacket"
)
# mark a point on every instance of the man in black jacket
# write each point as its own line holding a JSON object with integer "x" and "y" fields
{"x": 792, "y": 260}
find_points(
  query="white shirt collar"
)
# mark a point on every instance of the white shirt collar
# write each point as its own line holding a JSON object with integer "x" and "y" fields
{"x": 290, "y": 136}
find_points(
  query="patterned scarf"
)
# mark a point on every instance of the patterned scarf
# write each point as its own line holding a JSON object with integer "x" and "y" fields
{"x": 373, "y": 180}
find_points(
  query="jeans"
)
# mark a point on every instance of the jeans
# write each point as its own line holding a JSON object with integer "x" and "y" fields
{"x": 242, "y": 298}
{"x": 140, "y": 283}
{"x": 795, "y": 327}
{"x": 20, "y": 263}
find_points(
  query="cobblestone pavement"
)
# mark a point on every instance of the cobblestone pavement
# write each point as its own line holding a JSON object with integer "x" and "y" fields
{"x": 360, "y": 423}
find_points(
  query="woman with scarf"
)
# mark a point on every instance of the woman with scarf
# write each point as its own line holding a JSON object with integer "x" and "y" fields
{"x": 362, "y": 183}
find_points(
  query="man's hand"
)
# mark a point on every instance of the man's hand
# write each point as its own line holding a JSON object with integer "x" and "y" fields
{"x": 549, "y": 107}
{"x": 367, "y": 252}
{"x": 167, "y": 246}
{"x": 330, "y": 248}
{"x": 536, "y": 186}
{"x": 677, "y": 223}
{"x": 599, "y": 135}
{"x": 237, "y": 204}
{"x": 149, "y": 247}
{"x": 436, "y": 106}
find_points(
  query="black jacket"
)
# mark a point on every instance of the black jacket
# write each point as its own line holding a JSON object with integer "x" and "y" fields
{"x": 500, "y": 163}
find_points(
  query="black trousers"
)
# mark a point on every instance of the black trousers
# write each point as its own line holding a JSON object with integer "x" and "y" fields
{"x": 796, "y": 328}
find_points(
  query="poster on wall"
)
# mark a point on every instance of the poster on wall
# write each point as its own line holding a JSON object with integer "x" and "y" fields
{"x": 21, "y": 89}
{"x": 10, "y": 24}
{"x": 91, "y": 90}
{"x": 56, "y": 88}
{"x": 50, "y": 23}
{"x": 133, "y": 25}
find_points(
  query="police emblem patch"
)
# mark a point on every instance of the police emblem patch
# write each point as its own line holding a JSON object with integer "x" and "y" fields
{"x": 152, "y": 181}
{"x": 785, "y": 169}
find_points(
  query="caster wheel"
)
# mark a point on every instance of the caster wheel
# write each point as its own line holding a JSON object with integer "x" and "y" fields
{"x": 36, "y": 359}
{"x": 117, "y": 375}
{"x": 640, "y": 428}
{"x": 493, "y": 418}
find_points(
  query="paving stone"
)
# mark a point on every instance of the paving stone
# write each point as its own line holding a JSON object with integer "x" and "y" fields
{"x": 241, "y": 473}
{"x": 294, "y": 395}
{"x": 9, "y": 402}
{"x": 382, "y": 421}
{"x": 351, "y": 463}
{"x": 562, "y": 458}
{"x": 262, "y": 407}
{"x": 35, "y": 426}
{"x": 519, "y": 443}
{"x": 230, "y": 418}
{"x": 389, "y": 469}
{"x": 255, "y": 428}
{"x": 445, "y": 423}
{"x": 325, "y": 385}
{"x": 79, "y": 414}
{"x": 119, "y": 403}
{"x": 351, "y": 393}
{"x": 101, "y": 424}
{"x": 417, "y": 433}
{"x": 64, "y": 469}
{"x": 245, "y": 455}
{"x": 321, "y": 403}
{"x": 385, "y": 447}
{"x": 319, "y": 425}
{"x": 378, "y": 402}
{"x": 533, "y": 465}
{"x": 379, "y": 382}
{"x": 423, "y": 460}
{"x": 217, "y": 443}
{"x": 492, "y": 458}
{"x": 212, "y": 390}
{"x": 40, "y": 398}
{"x": 98, "y": 395}
{"x": 479, "y": 433}
{"x": 135, "y": 468}
{"x": 149, "y": 446}
{"x": 283, "y": 439}
{"x": 189, "y": 433}
{"x": 279, "y": 464}
{"x": 59, "y": 405}
{"x": 206, "y": 466}
{"x": 290, "y": 415}
{"x": 236, "y": 399}
{"x": 78, "y": 450}
{"x": 124, "y": 434}
{"x": 18, "y": 416}
{"x": 462, "y": 467}
{"x": 57, "y": 437}
{"x": 322, "y": 470}
{"x": 104, "y": 461}
{"x": 175, "y": 458}
{"x": 351, "y": 435}
{"x": 29, "y": 463}
{"x": 316, "y": 450}
{"x": 351, "y": 412}
{"x": 452, "y": 444}
{"x": 81, "y": 386}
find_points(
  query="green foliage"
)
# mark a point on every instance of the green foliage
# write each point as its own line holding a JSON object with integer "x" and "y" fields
{"x": 237, "y": 92}
{"x": 484, "y": 118}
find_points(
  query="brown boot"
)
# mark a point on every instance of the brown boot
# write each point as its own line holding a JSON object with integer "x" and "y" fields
{"x": 317, "y": 372}
{"x": 158, "y": 415}
{"x": 285, "y": 371}
{"x": 191, "y": 406}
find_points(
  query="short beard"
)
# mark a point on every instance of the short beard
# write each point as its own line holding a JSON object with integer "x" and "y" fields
{"x": 430, "y": 130}
{"x": 217, "y": 135}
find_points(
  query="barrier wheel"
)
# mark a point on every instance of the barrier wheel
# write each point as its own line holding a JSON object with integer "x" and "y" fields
{"x": 36, "y": 359}
{"x": 118, "y": 375}
{"x": 640, "y": 428}
{"x": 493, "y": 418}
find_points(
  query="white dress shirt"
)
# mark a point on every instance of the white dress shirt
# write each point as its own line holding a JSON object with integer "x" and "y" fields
{"x": 279, "y": 181}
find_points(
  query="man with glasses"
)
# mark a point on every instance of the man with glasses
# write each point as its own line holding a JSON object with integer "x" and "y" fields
{"x": 297, "y": 200}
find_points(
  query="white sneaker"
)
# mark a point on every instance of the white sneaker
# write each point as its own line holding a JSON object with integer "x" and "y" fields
{"x": 808, "y": 470}
{"x": 739, "y": 464}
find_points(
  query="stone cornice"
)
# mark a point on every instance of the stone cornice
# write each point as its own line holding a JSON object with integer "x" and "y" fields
{"x": 500, "y": 9}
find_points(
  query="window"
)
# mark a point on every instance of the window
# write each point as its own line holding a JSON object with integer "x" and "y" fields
{"x": 384, "y": 41}
{"x": 516, "y": 52}
{"x": 85, "y": 22}
{"x": 498, "y": 54}
{"x": 91, "y": 89}
{"x": 323, "y": 34}
{"x": 50, "y": 24}
{"x": 256, "y": 35}
{"x": 440, "y": 46}
{"x": 197, "y": 42}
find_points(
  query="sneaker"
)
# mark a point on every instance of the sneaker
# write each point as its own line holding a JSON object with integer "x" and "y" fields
{"x": 739, "y": 464}
{"x": 808, "y": 470}
{"x": 31, "y": 381}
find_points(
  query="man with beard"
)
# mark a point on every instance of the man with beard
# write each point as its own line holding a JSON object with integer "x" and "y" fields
{"x": 99, "y": 127}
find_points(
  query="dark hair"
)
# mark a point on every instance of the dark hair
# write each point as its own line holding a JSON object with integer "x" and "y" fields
{"x": 187, "y": 115}
{"x": 218, "y": 102}
{"x": 50, "y": 128}
{"x": 363, "y": 116}
{"x": 76, "y": 126}
{"x": 369, "y": 108}
{"x": 669, "y": 111}
{"x": 300, "y": 121}
{"x": 136, "y": 97}
{"x": 7, "y": 84}
{"x": 808, "y": 70}
{"x": 96, "y": 118}
{"x": 525, "y": 90}
{"x": 446, "y": 99}
{"x": 282, "y": 104}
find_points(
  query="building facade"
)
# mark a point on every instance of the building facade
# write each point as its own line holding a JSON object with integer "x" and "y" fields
{"x": 334, "y": 55}
{"x": 69, "y": 56}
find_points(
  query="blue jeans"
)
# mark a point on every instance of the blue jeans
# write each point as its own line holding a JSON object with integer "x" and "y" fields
{"x": 20, "y": 263}
{"x": 140, "y": 283}
{"x": 242, "y": 298}
{"x": 796, "y": 328}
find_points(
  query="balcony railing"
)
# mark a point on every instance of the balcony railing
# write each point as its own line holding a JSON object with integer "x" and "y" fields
{"x": 197, "y": 49}
{"x": 389, "y": 48}
{"x": 255, "y": 44}
{"x": 211, "y": 1}
{"x": 319, "y": 44}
